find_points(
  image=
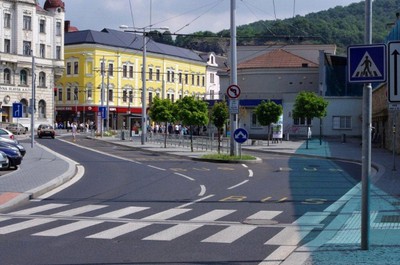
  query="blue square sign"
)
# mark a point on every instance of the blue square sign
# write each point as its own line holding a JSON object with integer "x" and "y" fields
{"x": 366, "y": 63}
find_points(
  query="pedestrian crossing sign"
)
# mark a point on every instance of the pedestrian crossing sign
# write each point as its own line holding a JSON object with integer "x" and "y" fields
{"x": 366, "y": 63}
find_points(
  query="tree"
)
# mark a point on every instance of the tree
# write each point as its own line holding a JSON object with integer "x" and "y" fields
{"x": 190, "y": 112}
{"x": 162, "y": 110}
{"x": 219, "y": 117}
{"x": 268, "y": 113}
{"x": 309, "y": 105}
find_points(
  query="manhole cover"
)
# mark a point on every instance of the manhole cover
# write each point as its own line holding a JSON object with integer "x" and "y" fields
{"x": 260, "y": 222}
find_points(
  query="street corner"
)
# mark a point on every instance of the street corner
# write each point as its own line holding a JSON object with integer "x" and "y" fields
{"x": 9, "y": 199}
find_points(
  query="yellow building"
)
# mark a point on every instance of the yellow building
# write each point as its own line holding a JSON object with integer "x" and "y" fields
{"x": 171, "y": 72}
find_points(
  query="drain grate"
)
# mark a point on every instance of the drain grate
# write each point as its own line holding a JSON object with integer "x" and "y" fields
{"x": 390, "y": 219}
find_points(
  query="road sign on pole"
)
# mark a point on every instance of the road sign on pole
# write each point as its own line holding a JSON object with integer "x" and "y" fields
{"x": 240, "y": 135}
{"x": 233, "y": 91}
{"x": 394, "y": 68}
{"x": 17, "y": 110}
{"x": 366, "y": 63}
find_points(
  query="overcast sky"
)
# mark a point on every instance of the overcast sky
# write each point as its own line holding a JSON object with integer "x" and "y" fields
{"x": 186, "y": 16}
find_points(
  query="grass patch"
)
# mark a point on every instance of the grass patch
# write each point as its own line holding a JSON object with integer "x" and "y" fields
{"x": 226, "y": 157}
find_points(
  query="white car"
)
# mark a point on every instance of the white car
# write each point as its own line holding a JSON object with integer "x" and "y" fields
{"x": 6, "y": 134}
{"x": 3, "y": 160}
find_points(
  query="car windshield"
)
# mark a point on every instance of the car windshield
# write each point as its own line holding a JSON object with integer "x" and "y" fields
{"x": 46, "y": 127}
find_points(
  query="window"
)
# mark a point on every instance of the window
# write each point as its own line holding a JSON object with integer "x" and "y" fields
{"x": 198, "y": 80}
{"x": 186, "y": 79}
{"x": 26, "y": 23}
{"x": 60, "y": 94}
{"x": 76, "y": 68}
{"x": 203, "y": 81}
{"x": 211, "y": 94}
{"x": 341, "y": 122}
{"x": 42, "y": 51}
{"x": 124, "y": 95}
{"x": 27, "y": 47}
{"x": 7, "y": 46}
{"x": 110, "y": 69}
{"x": 58, "y": 28}
{"x": 172, "y": 98}
{"x": 110, "y": 95}
{"x": 7, "y": 76}
{"x": 7, "y": 20}
{"x": 150, "y": 97}
{"x": 168, "y": 76}
{"x": 42, "y": 79}
{"x": 58, "y": 52}
{"x": 212, "y": 78}
{"x": 42, "y": 109}
{"x": 76, "y": 94}
{"x": 192, "y": 79}
{"x": 158, "y": 74}
{"x": 42, "y": 26}
{"x": 254, "y": 121}
{"x": 124, "y": 71}
{"x": 68, "y": 68}
{"x": 23, "y": 77}
{"x": 301, "y": 121}
{"x": 130, "y": 71}
{"x": 172, "y": 76}
{"x": 180, "y": 78}
{"x": 150, "y": 73}
{"x": 69, "y": 94}
{"x": 130, "y": 96}
{"x": 89, "y": 95}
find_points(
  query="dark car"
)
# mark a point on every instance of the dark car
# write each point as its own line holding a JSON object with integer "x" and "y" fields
{"x": 46, "y": 130}
{"x": 15, "y": 143}
{"x": 4, "y": 162}
{"x": 13, "y": 154}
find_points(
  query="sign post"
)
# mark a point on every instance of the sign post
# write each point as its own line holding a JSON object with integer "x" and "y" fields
{"x": 366, "y": 64}
{"x": 240, "y": 135}
{"x": 233, "y": 92}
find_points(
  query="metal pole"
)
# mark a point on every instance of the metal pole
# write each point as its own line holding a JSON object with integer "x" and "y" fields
{"x": 108, "y": 99}
{"x": 144, "y": 118}
{"x": 366, "y": 140}
{"x": 33, "y": 101}
{"x": 102, "y": 93}
{"x": 394, "y": 140}
{"x": 233, "y": 78}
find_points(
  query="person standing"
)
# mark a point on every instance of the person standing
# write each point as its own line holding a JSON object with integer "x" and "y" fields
{"x": 74, "y": 130}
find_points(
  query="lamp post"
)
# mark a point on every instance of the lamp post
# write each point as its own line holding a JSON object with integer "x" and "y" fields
{"x": 144, "y": 98}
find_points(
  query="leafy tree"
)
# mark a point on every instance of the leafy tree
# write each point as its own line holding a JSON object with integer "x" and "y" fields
{"x": 219, "y": 117}
{"x": 192, "y": 112}
{"x": 268, "y": 113}
{"x": 309, "y": 105}
{"x": 162, "y": 110}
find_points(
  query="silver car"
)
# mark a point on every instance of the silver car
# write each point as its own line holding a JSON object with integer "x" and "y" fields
{"x": 16, "y": 128}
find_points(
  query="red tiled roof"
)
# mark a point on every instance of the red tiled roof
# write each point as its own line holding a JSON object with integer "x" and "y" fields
{"x": 277, "y": 59}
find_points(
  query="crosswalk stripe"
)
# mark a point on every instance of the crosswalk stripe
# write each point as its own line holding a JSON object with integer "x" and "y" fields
{"x": 229, "y": 234}
{"x": 265, "y": 215}
{"x": 289, "y": 236}
{"x": 38, "y": 209}
{"x": 68, "y": 228}
{"x": 23, "y": 225}
{"x": 166, "y": 214}
{"x": 123, "y": 212}
{"x": 79, "y": 210}
{"x": 181, "y": 229}
{"x": 119, "y": 230}
{"x": 2, "y": 219}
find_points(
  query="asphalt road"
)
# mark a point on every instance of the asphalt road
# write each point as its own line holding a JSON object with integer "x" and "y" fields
{"x": 151, "y": 208}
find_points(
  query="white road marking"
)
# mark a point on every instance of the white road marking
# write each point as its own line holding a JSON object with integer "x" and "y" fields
{"x": 202, "y": 190}
{"x": 237, "y": 185}
{"x": 229, "y": 234}
{"x": 195, "y": 201}
{"x": 189, "y": 178}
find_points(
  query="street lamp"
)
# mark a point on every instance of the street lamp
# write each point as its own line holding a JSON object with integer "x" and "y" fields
{"x": 143, "y": 31}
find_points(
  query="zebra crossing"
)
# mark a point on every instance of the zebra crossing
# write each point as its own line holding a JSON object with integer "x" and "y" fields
{"x": 77, "y": 219}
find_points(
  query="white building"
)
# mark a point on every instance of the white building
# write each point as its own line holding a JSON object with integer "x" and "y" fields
{"x": 32, "y": 49}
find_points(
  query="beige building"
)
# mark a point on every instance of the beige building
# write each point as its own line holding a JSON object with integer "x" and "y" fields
{"x": 31, "y": 56}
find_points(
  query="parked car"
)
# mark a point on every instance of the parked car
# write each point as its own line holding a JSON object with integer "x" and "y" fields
{"x": 16, "y": 128}
{"x": 15, "y": 143}
{"x": 46, "y": 130}
{"x": 13, "y": 154}
{"x": 6, "y": 133}
{"x": 3, "y": 160}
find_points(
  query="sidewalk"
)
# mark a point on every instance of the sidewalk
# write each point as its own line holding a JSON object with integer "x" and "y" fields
{"x": 339, "y": 243}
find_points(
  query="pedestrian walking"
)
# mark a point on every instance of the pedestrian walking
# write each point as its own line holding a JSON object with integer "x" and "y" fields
{"x": 74, "y": 130}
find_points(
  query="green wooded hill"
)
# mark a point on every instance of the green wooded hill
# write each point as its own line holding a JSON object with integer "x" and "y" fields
{"x": 342, "y": 26}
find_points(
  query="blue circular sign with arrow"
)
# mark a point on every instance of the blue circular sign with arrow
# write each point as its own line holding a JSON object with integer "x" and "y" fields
{"x": 240, "y": 135}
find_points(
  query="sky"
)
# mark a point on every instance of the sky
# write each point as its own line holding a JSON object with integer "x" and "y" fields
{"x": 185, "y": 16}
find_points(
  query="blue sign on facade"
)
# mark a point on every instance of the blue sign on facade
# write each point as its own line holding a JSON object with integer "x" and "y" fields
{"x": 17, "y": 110}
{"x": 240, "y": 135}
{"x": 366, "y": 63}
{"x": 103, "y": 111}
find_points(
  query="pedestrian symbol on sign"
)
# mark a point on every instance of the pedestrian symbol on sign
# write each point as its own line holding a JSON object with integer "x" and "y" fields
{"x": 367, "y": 68}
